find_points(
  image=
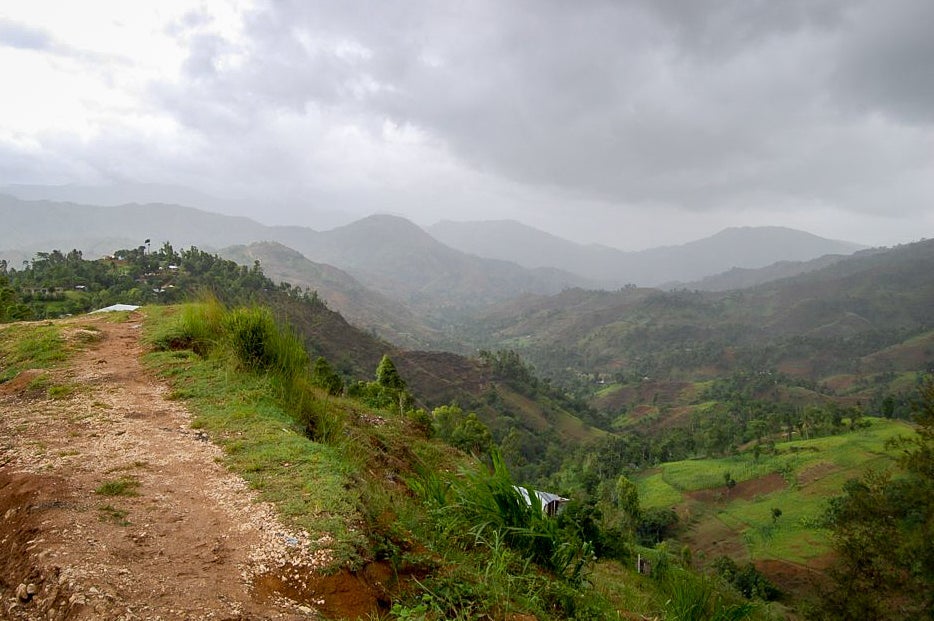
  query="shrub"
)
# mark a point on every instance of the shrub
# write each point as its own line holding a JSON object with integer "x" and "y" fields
{"x": 321, "y": 420}
{"x": 324, "y": 376}
{"x": 487, "y": 505}
{"x": 260, "y": 345}
{"x": 656, "y": 525}
{"x": 747, "y": 580}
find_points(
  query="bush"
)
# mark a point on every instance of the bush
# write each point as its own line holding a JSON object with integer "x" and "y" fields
{"x": 321, "y": 420}
{"x": 254, "y": 342}
{"x": 324, "y": 376}
{"x": 656, "y": 525}
{"x": 747, "y": 580}
{"x": 259, "y": 344}
{"x": 486, "y": 505}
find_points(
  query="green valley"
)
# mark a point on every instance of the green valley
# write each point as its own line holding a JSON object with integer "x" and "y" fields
{"x": 718, "y": 436}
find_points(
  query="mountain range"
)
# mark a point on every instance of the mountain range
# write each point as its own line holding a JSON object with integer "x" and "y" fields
{"x": 814, "y": 325}
{"x": 125, "y": 193}
{"x": 742, "y": 247}
{"x": 401, "y": 281}
{"x": 361, "y": 306}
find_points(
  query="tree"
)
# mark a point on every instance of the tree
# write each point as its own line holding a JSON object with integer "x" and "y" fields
{"x": 11, "y": 308}
{"x": 656, "y": 525}
{"x": 465, "y": 431}
{"x": 747, "y": 579}
{"x": 324, "y": 376}
{"x": 883, "y": 532}
{"x": 445, "y": 418}
{"x": 627, "y": 499}
{"x": 387, "y": 376}
{"x": 388, "y": 391}
{"x": 472, "y": 436}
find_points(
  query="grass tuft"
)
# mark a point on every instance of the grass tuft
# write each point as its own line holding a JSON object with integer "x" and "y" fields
{"x": 109, "y": 513}
{"x": 124, "y": 486}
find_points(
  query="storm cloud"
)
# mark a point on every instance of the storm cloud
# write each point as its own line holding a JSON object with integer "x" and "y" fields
{"x": 579, "y": 117}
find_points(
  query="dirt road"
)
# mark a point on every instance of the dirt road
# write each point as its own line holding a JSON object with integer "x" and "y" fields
{"x": 172, "y": 536}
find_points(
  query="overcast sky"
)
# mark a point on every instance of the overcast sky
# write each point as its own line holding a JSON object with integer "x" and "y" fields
{"x": 632, "y": 123}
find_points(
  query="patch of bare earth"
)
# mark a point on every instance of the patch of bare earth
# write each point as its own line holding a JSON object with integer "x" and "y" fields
{"x": 744, "y": 490}
{"x": 795, "y": 579}
{"x": 191, "y": 541}
{"x": 713, "y": 537}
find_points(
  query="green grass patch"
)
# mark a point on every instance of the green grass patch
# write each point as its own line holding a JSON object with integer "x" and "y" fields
{"x": 61, "y": 391}
{"x": 813, "y": 470}
{"x": 792, "y": 536}
{"x": 654, "y": 491}
{"x": 609, "y": 389}
{"x": 30, "y": 346}
{"x": 124, "y": 486}
{"x": 87, "y": 335}
{"x": 625, "y": 589}
{"x": 852, "y": 450}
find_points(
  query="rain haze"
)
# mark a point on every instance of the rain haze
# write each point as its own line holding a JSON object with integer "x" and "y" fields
{"x": 628, "y": 123}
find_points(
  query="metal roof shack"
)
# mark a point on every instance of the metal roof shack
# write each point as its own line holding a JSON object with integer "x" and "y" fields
{"x": 551, "y": 503}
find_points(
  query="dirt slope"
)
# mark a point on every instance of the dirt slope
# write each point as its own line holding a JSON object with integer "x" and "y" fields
{"x": 192, "y": 542}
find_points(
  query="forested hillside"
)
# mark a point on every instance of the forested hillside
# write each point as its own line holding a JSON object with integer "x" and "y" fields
{"x": 813, "y": 327}
{"x": 362, "y": 306}
{"x": 506, "y": 397}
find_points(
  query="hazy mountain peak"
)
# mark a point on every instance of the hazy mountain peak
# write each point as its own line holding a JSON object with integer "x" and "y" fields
{"x": 742, "y": 246}
{"x": 383, "y": 220}
{"x": 382, "y": 232}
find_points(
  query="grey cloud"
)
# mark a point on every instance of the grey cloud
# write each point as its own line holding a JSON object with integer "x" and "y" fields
{"x": 716, "y": 29}
{"x": 699, "y": 105}
{"x": 204, "y": 50}
{"x": 887, "y": 61}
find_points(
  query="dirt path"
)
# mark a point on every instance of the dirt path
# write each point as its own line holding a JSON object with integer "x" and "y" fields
{"x": 188, "y": 545}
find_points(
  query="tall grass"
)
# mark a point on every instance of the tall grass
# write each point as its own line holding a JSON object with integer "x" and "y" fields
{"x": 251, "y": 340}
{"x": 197, "y": 326}
{"x": 694, "y": 598}
{"x": 485, "y": 505}
{"x": 258, "y": 343}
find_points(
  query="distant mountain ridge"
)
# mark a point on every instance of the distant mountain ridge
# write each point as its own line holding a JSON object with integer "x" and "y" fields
{"x": 400, "y": 261}
{"x": 118, "y": 194}
{"x": 33, "y": 225}
{"x": 360, "y": 305}
{"x": 743, "y": 278}
{"x": 739, "y": 247}
{"x": 865, "y": 302}
{"x": 386, "y": 253}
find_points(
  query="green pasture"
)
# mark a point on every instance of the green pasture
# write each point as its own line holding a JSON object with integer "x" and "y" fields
{"x": 813, "y": 471}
